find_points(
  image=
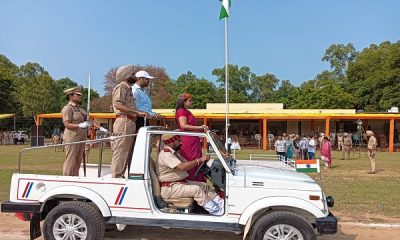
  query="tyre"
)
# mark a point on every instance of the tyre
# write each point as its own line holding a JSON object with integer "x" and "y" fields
{"x": 74, "y": 220}
{"x": 282, "y": 225}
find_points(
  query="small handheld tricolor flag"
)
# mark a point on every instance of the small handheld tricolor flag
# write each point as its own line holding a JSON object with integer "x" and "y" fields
{"x": 226, "y": 4}
{"x": 307, "y": 165}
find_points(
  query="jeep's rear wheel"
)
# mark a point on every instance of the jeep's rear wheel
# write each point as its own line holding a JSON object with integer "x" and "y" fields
{"x": 74, "y": 220}
{"x": 282, "y": 225}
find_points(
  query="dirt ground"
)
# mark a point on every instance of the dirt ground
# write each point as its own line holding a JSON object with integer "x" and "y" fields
{"x": 12, "y": 228}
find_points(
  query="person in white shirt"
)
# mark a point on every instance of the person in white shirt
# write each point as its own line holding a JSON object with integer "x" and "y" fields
{"x": 280, "y": 148}
{"x": 312, "y": 145}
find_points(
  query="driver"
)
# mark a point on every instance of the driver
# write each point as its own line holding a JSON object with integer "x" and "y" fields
{"x": 172, "y": 173}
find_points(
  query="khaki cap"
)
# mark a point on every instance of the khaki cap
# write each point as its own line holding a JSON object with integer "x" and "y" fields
{"x": 76, "y": 90}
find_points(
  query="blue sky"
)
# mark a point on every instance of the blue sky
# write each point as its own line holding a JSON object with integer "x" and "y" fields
{"x": 287, "y": 38}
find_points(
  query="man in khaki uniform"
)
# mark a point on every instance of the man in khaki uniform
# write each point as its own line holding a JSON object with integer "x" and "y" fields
{"x": 172, "y": 172}
{"x": 75, "y": 122}
{"x": 340, "y": 142}
{"x": 347, "y": 146}
{"x": 1, "y": 137}
{"x": 371, "y": 150}
{"x": 125, "y": 111}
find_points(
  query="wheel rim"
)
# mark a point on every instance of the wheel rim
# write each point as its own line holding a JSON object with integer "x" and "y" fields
{"x": 283, "y": 232}
{"x": 69, "y": 227}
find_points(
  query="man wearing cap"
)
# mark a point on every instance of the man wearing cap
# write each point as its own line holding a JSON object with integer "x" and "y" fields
{"x": 124, "y": 108}
{"x": 75, "y": 123}
{"x": 371, "y": 150}
{"x": 172, "y": 173}
{"x": 142, "y": 98}
{"x": 347, "y": 145}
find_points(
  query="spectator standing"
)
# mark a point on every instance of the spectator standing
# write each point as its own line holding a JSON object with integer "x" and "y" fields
{"x": 304, "y": 148}
{"x": 296, "y": 146}
{"x": 312, "y": 145}
{"x": 326, "y": 152}
{"x": 280, "y": 148}
{"x": 289, "y": 144}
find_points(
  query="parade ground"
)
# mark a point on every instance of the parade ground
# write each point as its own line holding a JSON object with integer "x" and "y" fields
{"x": 366, "y": 205}
{"x": 359, "y": 197}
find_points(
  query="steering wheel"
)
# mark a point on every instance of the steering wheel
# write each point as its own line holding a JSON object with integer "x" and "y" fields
{"x": 203, "y": 167}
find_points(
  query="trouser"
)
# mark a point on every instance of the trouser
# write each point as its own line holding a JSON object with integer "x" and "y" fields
{"x": 121, "y": 147}
{"x": 140, "y": 123}
{"x": 311, "y": 155}
{"x": 297, "y": 153}
{"x": 371, "y": 155}
{"x": 74, "y": 156}
{"x": 282, "y": 156}
{"x": 339, "y": 146}
{"x": 304, "y": 153}
{"x": 345, "y": 151}
{"x": 197, "y": 190}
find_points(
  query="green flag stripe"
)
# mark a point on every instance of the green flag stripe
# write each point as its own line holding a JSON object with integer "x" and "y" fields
{"x": 307, "y": 170}
{"x": 223, "y": 13}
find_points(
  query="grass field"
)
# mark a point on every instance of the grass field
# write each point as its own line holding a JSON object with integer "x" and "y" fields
{"x": 356, "y": 193}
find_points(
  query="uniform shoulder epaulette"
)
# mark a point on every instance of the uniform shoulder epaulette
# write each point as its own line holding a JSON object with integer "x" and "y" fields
{"x": 167, "y": 150}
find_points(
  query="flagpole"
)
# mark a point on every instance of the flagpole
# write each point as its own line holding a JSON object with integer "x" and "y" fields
{"x": 226, "y": 83}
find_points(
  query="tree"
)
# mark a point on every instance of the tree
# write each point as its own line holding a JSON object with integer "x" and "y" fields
{"x": 239, "y": 78}
{"x": 339, "y": 56}
{"x": 202, "y": 90}
{"x": 324, "y": 93}
{"x": 59, "y": 86}
{"x": 374, "y": 77}
{"x": 8, "y": 76}
{"x": 34, "y": 89}
{"x": 262, "y": 87}
{"x": 286, "y": 94}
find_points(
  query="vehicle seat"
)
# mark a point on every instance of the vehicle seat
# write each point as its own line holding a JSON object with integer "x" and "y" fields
{"x": 176, "y": 203}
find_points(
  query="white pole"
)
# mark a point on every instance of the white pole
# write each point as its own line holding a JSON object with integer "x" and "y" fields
{"x": 226, "y": 83}
{"x": 88, "y": 101}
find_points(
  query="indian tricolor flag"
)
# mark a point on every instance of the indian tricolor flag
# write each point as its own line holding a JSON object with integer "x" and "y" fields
{"x": 226, "y": 4}
{"x": 307, "y": 165}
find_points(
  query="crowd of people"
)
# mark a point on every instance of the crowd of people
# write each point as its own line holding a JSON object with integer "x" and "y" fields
{"x": 294, "y": 147}
{"x": 12, "y": 137}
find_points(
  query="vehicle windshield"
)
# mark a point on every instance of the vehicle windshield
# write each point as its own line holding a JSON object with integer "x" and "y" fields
{"x": 220, "y": 146}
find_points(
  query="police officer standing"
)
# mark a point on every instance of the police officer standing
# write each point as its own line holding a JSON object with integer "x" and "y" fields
{"x": 75, "y": 122}
{"x": 124, "y": 108}
{"x": 347, "y": 146}
{"x": 371, "y": 150}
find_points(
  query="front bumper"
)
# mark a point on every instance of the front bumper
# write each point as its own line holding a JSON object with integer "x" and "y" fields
{"x": 327, "y": 225}
{"x": 20, "y": 207}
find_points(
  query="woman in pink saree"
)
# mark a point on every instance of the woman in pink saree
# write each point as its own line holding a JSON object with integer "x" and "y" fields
{"x": 191, "y": 146}
{"x": 326, "y": 153}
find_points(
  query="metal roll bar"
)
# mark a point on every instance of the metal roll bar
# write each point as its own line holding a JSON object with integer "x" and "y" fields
{"x": 101, "y": 141}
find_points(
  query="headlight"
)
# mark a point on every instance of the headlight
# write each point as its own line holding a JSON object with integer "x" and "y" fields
{"x": 329, "y": 201}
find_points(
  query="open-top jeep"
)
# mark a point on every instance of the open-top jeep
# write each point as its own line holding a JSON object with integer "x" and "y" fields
{"x": 270, "y": 203}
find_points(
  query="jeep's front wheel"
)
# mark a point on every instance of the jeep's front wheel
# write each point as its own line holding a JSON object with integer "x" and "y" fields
{"x": 282, "y": 225}
{"x": 74, "y": 220}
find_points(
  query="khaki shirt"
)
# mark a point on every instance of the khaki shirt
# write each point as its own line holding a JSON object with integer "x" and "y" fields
{"x": 167, "y": 161}
{"x": 73, "y": 113}
{"x": 372, "y": 143}
{"x": 347, "y": 141}
{"x": 122, "y": 94}
{"x": 340, "y": 138}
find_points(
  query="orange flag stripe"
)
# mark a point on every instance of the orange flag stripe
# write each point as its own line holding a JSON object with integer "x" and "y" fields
{"x": 312, "y": 161}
